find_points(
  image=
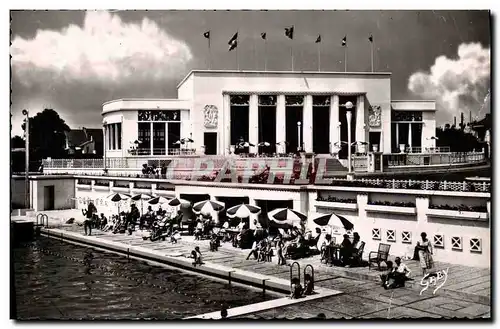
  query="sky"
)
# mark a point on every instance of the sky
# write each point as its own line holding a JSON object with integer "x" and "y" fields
{"x": 73, "y": 61}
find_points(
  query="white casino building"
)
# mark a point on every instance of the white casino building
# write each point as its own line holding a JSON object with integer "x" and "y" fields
{"x": 216, "y": 109}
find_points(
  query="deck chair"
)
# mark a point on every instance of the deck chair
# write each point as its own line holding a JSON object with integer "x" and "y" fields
{"x": 377, "y": 257}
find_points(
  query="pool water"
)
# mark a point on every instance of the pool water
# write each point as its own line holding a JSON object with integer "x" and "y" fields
{"x": 57, "y": 280}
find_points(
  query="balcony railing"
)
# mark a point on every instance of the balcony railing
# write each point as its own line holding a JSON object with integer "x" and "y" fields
{"x": 423, "y": 159}
{"x": 161, "y": 151}
{"x": 415, "y": 184}
{"x": 419, "y": 149}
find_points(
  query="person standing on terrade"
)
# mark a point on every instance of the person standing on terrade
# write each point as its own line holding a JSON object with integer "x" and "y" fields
{"x": 89, "y": 214}
{"x": 424, "y": 249}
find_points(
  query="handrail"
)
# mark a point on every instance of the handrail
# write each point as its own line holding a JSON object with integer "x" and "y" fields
{"x": 291, "y": 272}
{"x": 312, "y": 274}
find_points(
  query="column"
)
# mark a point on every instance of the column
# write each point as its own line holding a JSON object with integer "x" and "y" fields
{"x": 307, "y": 125}
{"x": 360, "y": 119}
{"x": 167, "y": 142}
{"x": 215, "y": 215}
{"x": 334, "y": 121}
{"x": 409, "y": 137}
{"x": 253, "y": 122}
{"x": 280, "y": 122}
{"x": 115, "y": 142}
{"x": 186, "y": 131}
{"x": 151, "y": 138}
{"x": 397, "y": 137}
{"x": 110, "y": 134}
{"x": 226, "y": 125}
{"x": 252, "y": 202}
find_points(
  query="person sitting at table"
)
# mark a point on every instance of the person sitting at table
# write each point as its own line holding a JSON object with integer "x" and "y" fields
{"x": 309, "y": 284}
{"x": 160, "y": 211}
{"x": 241, "y": 225}
{"x": 103, "y": 222}
{"x": 198, "y": 232}
{"x": 325, "y": 248}
{"x": 345, "y": 250}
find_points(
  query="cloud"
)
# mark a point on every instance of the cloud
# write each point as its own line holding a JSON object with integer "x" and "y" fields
{"x": 105, "y": 49}
{"x": 76, "y": 69}
{"x": 458, "y": 85}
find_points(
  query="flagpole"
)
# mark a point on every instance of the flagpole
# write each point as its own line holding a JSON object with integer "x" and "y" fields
{"x": 237, "y": 52}
{"x": 209, "y": 53}
{"x": 371, "y": 44}
{"x": 319, "y": 56}
{"x": 265, "y": 54}
{"x": 345, "y": 58}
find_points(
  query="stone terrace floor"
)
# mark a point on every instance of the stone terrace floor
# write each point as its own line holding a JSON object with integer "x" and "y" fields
{"x": 466, "y": 294}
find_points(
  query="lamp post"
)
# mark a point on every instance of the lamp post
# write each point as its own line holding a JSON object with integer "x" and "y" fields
{"x": 26, "y": 158}
{"x": 348, "y": 114}
{"x": 299, "y": 148}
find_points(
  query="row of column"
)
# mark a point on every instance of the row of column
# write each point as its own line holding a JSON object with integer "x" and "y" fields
{"x": 112, "y": 139}
{"x": 307, "y": 121}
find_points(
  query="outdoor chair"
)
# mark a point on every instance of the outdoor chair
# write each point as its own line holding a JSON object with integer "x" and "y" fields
{"x": 377, "y": 257}
{"x": 357, "y": 256}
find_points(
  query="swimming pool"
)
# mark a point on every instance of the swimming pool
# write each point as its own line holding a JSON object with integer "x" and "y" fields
{"x": 58, "y": 280}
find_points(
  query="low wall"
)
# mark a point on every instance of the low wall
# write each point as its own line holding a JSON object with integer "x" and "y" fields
{"x": 380, "y": 215}
{"x": 458, "y": 237}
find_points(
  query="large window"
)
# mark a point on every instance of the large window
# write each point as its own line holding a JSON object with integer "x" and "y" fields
{"x": 267, "y": 124}
{"x": 174, "y": 135}
{"x": 144, "y": 136}
{"x": 406, "y": 130}
{"x": 158, "y": 138}
{"x": 294, "y": 107}
{"x": 113, "y": 136}
{"x": 158, "y": 131}
{"x": 239, "y": 119}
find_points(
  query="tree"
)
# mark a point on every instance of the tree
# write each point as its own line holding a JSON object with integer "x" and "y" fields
{"x": 456, "y": 139}
{"x": 47, "y": 135}
{"x": 16, "y": 142}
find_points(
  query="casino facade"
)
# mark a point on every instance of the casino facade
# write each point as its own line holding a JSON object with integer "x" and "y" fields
{"x": 217, "y": 110}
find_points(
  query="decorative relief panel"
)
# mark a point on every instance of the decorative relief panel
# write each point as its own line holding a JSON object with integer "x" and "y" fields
{"x": 159, "y": 115}
{"x": 211, "y": 116}
{"x": 374, "y": 115}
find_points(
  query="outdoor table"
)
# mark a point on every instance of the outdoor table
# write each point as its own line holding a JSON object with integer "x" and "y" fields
{"x": 332, "y": 253}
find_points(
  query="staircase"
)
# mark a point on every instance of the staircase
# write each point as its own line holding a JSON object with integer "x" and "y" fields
{"x": 334, "y": 168}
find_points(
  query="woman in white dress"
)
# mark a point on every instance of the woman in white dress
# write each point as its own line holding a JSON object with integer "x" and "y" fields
{"x": 424, "y": 248}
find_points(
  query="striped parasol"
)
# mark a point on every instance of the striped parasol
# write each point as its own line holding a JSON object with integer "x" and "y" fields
{"x": 242, "y": 211}
{"x": 333, "y": 220}
{"x": 141, "y": 197}
{"x": 117, "y": 197}
{"x": 158, "y": 200}
{"x": 285, "y": 217}
{"x": 178, "y": 202}
{"x": 207, "y": 207}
